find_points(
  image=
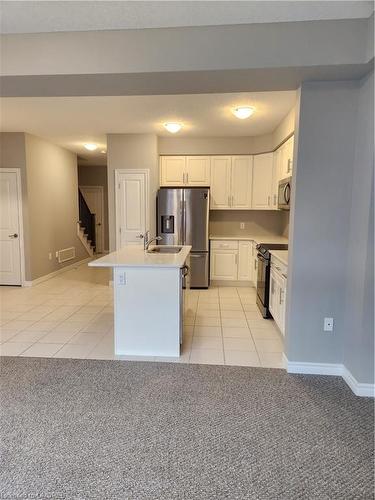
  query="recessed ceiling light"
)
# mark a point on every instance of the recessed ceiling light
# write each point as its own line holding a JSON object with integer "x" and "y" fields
{"x": 91, "y": 147}
{"x": 173, "y": 127}
{"x": 243, "y": 112}
{"x": 103, "y": 151}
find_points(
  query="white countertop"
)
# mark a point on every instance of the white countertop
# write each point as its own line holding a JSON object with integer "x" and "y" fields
{"x": 256, "y": 237}
{"x": 282, "y": 255}
{"x": 135, "y": 256}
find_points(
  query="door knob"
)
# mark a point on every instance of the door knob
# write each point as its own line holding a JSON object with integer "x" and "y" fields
{"x": 15, "y": 235}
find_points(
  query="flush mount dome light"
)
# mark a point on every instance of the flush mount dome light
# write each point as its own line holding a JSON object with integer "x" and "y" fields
{"x": 173, "y": 127}
{"x": 91, "y": 147}
{"x": 243, "y": 112}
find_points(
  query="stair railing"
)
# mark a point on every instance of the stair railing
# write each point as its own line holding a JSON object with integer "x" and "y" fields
{"x": 86, "y": 219}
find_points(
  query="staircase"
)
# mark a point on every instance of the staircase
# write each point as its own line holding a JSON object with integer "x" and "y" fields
{"x": 86, "y": 225}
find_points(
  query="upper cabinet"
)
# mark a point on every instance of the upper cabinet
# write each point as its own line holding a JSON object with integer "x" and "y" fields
{"x": 231, "y": 178}
{"x": 198, "y": 170}
{"x": 185, "y": 170}
{"x": 262, "y": 182}
{"x": 285, "y": 162}
{"x": 241, "y": 182}
{"x": 172, "y": 170}
{"x": 220, "y": 192}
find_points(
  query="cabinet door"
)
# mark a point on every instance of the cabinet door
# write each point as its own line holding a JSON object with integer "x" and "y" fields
{"x": 282, "y": 302}
{"x": 276, "y": 176}
{"x": 273, "y": 297}
{"x": 262, "y": 181}
{"x": 224, "y": 264}
{"x": 287, "y": 158}
{"x": 220, "y": 182}
{"x": 198, "y": 170}
{"x": 244, "y": 261}
{"x": 241, "y": 181}
{"x": 172, "y": 170}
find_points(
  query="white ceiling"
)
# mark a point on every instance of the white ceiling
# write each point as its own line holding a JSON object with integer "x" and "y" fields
{"x": 73, "y": 121}
{"x": 51, "y": 16}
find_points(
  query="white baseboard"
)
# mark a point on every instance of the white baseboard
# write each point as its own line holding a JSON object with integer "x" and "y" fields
{"x": 47, "y": 277}
{"x": 337, "y": 369}
{"x": 232, "y": 283}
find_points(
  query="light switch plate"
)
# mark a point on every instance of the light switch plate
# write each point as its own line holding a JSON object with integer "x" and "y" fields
{"x": 121, "y": 278}
{"x": 242, "y": 225}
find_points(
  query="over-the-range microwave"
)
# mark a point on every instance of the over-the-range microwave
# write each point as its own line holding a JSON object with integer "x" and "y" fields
{"x": 285, "y": 187}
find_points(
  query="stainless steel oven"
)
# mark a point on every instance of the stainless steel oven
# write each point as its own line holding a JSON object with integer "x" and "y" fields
{"x": 285, "y": 186}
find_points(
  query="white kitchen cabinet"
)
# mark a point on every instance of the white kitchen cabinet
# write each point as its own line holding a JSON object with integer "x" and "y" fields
{"x": 277, "y": 301}
{"x": 197, "y": 171}
{"x": 231, "y": 178}
{"x": 220, "y": 182}
{"x": 241, "y": 182}
{"x": 224, "y": 264}
{"x": 172, "y": 170}
{"x": 288, "y": 148}
{"x": 254, "y": 263}
{"x": 244, "y": 261}
{"x": 276, "y": 176}
{"x": 232, "y": 260}
{"x": 185, "y": 170}
{"x": 262, "y": 181}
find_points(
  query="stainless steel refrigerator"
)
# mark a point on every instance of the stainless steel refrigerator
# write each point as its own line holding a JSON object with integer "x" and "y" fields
{"x": 182, "y": 219}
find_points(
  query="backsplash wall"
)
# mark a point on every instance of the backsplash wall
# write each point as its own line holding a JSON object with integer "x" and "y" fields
{"x": 257, "y": 222}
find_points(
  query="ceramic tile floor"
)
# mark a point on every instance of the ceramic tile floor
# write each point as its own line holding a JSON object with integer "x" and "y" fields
{"x": 71, "y": 316}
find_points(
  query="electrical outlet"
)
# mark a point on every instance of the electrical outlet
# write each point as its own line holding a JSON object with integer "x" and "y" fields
{"x": 50, "y": 256}
{"x": 242, "y": 225}
{"x": 121, "y": 278}
{"x": 328, "y": 324}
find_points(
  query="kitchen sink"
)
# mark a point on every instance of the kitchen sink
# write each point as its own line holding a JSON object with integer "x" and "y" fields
{"x": 164, "y": 249}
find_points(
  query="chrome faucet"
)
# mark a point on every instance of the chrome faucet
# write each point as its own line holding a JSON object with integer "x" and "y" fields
{"x": 147, "y": 241}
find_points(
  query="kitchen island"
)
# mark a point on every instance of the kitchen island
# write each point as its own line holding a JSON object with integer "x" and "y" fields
{"x": 148, "y": 299}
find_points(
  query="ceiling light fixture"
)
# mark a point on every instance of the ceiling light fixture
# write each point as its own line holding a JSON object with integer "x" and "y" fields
{"x": 91, "y": 147}
{"x": 243, "y": 112}
{"x": 173, "y": 127}
{"x": 103, "y": 151}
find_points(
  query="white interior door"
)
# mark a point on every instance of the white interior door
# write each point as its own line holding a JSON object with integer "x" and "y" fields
{"x": 94, "y": 198}
{"x": 132, "y": 195}
{"x": 10, "y": 242}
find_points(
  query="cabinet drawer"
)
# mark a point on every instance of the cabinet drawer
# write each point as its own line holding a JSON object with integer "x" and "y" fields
{"x": 224, "y": 244}
{"x": 279, "y": 266}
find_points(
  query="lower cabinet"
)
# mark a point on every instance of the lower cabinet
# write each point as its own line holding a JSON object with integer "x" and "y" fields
{"x": 231, "y": 260}
{"x": 277, "y": 298}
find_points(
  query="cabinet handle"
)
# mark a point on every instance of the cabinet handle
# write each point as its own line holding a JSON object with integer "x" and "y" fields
{"x": 255, "y": 264}
{"x": 236, "y": 258}
{"x": 232, "y": 201}
{"x": 269, "y": 200}
{"x": 228, "y": 201}
{"x": 281, "y": 297}
{"x": 274, "y": 199}
{"x": 187, "y": 178}
{"x": 289, "y": 165}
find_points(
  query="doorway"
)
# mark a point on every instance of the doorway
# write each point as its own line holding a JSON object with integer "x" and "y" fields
{"x": 94, "y": 198}
{"x": 132, "y": 206}
{"x": 11, "y": 235}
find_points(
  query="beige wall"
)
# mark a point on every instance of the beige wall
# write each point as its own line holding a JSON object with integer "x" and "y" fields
{"x": 257, "y": 222}
{"x": 128, "y": 151}
{"x": 215, "y": 145}
{"x": 52, "y": 187}
{"x": 96, "y": 175}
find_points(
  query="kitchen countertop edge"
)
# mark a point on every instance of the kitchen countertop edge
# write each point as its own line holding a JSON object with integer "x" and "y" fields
{"x": 135, "y": 256}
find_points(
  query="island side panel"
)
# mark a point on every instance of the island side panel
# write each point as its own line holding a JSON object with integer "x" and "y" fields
{"x": 147, "y": 311}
